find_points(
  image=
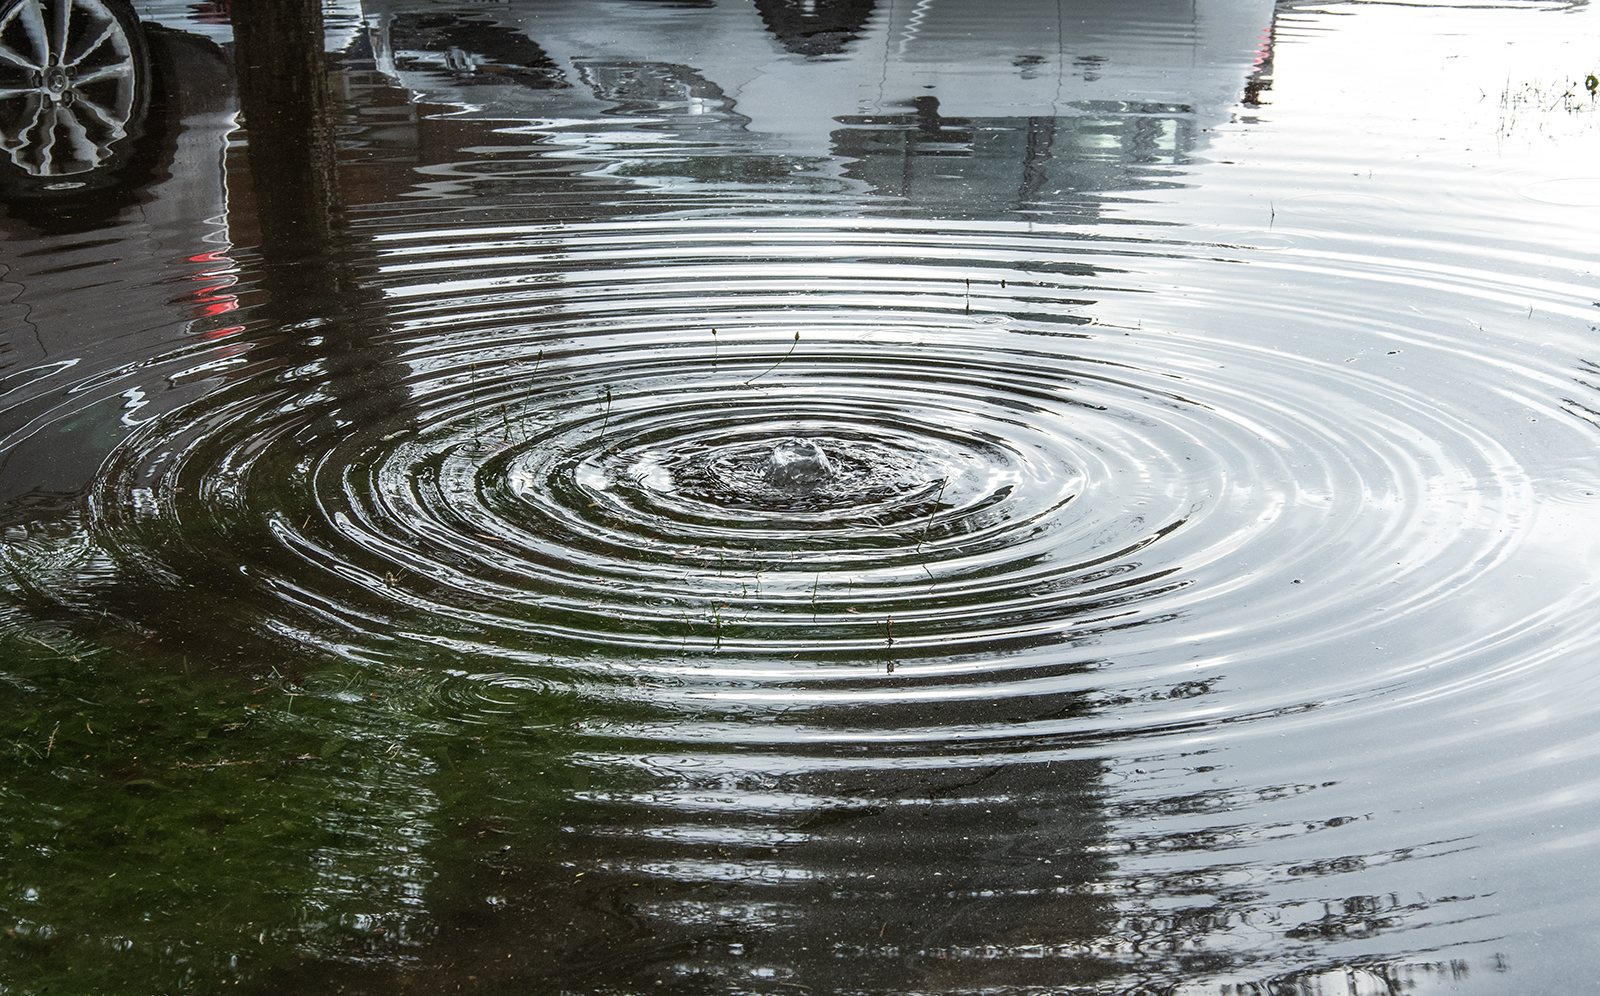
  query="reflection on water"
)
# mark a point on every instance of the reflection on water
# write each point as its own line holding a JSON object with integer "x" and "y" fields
{"x": 1038, "y": 165}
{"x": 859, "y": 497}
{"x": 74, "y": 87}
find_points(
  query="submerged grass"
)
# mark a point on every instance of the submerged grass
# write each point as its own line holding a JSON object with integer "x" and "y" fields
{"x": 168, "y": 827}
{"x": 1537, "y": 102}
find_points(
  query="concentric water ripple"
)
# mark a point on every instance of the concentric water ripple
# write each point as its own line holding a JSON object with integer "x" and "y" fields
{"x": 999, "y": 482}
{"x": 640, "y": 532}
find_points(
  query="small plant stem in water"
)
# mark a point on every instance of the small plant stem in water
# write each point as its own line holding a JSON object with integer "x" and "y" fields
{"x": 778, "y": 364}
{"x": 527, "y": 394}
{"x": 688, "y": 627}
{"x": 472, "y": 394}
{"x": 929, "y": 525}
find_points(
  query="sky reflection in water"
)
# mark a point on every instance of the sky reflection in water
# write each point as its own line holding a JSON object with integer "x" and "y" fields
{"x": 1182, "y": 581}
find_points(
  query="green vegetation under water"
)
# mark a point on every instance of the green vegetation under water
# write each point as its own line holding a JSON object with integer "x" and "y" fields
{"x": 167, "y": 826}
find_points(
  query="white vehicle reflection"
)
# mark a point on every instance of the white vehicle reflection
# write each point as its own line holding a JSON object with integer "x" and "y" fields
{"x": 793, "y": 69}
{"x": 948, "y": 109}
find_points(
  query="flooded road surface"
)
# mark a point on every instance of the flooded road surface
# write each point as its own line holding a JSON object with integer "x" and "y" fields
{"x": 764, "y": 496}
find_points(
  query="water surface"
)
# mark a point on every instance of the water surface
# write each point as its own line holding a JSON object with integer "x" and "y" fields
{"x": 616, "y": 496}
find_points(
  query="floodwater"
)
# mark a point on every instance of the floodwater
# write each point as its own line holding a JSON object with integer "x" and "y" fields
{"x": 774, "y": 496}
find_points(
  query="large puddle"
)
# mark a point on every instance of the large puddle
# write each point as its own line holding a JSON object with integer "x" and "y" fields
{"x": 798, "y": 496}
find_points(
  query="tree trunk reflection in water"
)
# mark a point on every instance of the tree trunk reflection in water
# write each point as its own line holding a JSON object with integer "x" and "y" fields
{"x": 283, "y": 92}
{"x": 306, "y": 309}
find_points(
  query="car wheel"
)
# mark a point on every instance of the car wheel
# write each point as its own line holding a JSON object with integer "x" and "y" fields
{"x": 74, "y": 91}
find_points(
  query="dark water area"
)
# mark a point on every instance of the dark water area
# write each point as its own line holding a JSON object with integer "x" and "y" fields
{"x": 772, "y": 496}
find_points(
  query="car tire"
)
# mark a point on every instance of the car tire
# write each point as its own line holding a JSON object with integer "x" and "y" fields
{"x": 74, "y": 94}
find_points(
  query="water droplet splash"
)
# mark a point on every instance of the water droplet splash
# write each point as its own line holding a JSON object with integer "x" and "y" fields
{"x": 796, "y": 465}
